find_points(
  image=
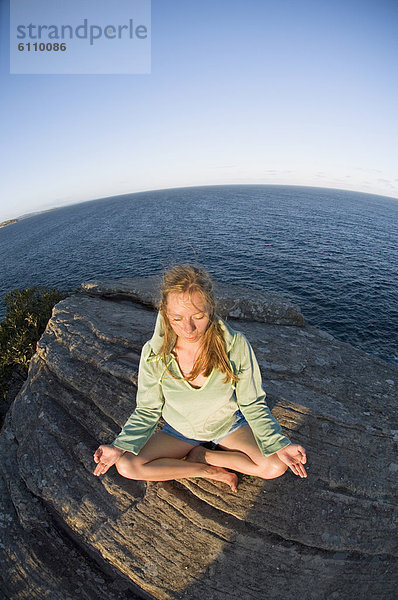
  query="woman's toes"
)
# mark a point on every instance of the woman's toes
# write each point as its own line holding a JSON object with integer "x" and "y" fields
{"x": 233, "y": 483}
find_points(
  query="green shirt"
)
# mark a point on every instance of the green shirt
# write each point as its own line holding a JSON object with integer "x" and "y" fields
{"x": 205, "y": 413}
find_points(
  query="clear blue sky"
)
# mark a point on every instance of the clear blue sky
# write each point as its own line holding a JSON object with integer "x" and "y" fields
{"x": 241, "y": 91}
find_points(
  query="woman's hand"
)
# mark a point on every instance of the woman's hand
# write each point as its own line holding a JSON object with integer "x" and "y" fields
{"x": 294, "y": 457}
{"x": 105, "y": 457}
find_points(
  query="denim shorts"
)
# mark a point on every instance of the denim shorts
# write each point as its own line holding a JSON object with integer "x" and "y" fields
{"x": 239, "y": 422}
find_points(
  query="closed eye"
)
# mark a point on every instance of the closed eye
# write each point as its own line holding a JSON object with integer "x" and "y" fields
{"x": 179, "y": 319}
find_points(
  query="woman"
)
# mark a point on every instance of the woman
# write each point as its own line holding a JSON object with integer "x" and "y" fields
{"x": 203, "y": 378}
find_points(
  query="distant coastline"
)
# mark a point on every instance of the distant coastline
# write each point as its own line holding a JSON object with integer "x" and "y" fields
{"x": 4, "y": 223}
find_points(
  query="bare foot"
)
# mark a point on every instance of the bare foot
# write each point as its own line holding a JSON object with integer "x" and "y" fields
{"x": 197, "y": 454}
{"x": 220, "y": 474}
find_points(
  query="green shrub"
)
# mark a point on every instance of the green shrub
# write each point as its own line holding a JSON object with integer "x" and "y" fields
{"x": 27, "y": 313}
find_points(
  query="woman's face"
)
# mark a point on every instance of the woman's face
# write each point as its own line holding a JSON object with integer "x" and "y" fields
{"x": 188, "y": 316}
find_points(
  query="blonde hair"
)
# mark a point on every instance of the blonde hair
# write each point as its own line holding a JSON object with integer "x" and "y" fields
{"x": 213, "y": 355}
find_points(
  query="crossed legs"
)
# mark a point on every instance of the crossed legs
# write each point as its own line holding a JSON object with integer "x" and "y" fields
{"x": 240, "y": 453}
{"x": 162, "y": 459}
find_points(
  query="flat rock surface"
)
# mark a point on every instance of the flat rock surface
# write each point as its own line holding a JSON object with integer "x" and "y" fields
{"x": 67, "y": 534}
{"x": 232, "y": 300}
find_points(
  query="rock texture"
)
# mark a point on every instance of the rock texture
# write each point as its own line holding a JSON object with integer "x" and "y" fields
{"x": 232, "y": 300}
{"x": 67, "y": 534}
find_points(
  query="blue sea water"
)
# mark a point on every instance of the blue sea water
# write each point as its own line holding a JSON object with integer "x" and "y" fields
{"x": 332, "y": 252}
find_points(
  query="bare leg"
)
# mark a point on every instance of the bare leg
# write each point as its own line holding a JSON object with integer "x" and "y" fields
{"x": 240, "y": 453}
{"x": 161, "y": 459}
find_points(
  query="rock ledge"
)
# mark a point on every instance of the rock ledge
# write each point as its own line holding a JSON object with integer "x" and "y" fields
{"x": 232, "y": 300}
{"x": 68, "y": 535}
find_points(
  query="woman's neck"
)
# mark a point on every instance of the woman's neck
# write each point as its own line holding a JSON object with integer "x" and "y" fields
{"x": 187, "y": 348}
{"x": 186, "y": 356}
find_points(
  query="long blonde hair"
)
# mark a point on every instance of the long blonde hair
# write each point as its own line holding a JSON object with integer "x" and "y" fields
{"x": 213, "y": 355}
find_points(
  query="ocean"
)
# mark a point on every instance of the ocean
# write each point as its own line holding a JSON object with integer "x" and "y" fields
{"x": 332, "y": 252}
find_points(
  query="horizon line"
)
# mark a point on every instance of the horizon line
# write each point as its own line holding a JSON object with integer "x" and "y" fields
{"x": 37, "y": 212}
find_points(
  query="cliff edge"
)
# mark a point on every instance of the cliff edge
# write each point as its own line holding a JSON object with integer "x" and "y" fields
{"x": 67, "y": 534}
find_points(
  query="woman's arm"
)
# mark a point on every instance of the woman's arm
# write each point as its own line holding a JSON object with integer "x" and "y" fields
{"x": 149, "y": 403}
{"x": 251, "y": 400}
